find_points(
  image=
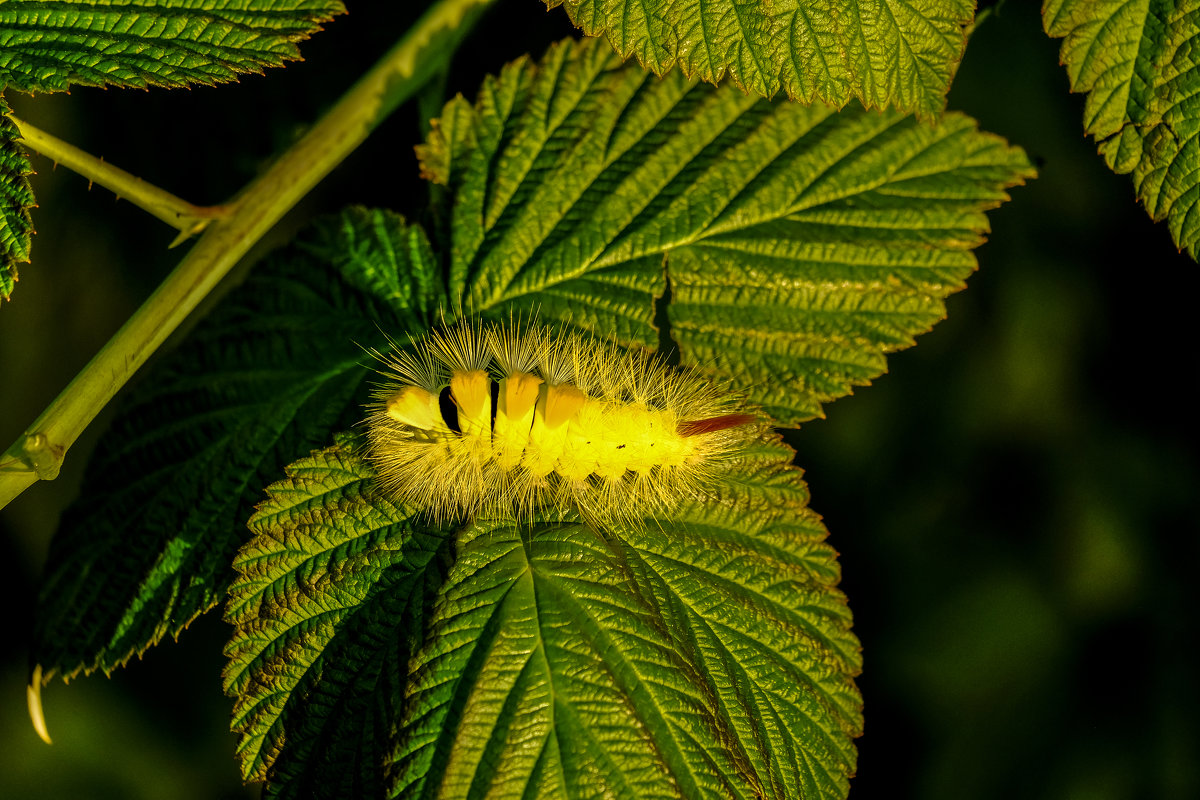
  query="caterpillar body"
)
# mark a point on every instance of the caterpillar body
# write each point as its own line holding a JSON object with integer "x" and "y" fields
{"x": 501, "y": 420}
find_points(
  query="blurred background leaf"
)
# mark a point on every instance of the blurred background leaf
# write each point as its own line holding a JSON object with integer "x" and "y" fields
{"x": 1014, "y": 504}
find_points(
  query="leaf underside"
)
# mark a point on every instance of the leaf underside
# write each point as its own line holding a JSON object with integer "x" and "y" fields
{"x": 1141, "y": 69}
{"x": 801, "y": 245}
{"x": 16, "y": 198}
{"x": 48, "y": 46}
{"x": 898, "y": 54}
{"x": 709, "y": 657}
{"x": 149, "y": 544}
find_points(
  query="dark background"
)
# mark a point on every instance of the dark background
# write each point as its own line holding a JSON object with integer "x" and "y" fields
{"x": 1015, "y": 503}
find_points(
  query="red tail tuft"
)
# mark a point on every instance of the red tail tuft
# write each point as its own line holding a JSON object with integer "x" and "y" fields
{"x": 695, "y": 427}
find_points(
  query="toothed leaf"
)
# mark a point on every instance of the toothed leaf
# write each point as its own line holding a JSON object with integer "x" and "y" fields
{"x": 148, "y": 545}
{"x": 802, "y": 245}
{"x": 709, "y": 657}
{"x": 886, "y": 53}
{"x": 16, "y": 198}
{"x": 328, "y": 604}
{"x": 46, "y": 45}
{"x": 1139, "y": 64}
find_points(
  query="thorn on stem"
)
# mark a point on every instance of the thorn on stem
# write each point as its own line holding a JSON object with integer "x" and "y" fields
{"x": 33, "y": 697}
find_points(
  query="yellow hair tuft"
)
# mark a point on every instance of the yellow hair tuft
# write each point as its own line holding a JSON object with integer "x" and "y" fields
{"x": 504, "y": 420}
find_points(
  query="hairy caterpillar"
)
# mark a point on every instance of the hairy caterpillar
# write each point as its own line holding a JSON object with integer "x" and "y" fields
{"x": 504, "y": 419}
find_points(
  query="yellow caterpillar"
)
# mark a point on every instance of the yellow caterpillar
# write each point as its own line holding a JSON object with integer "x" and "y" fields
{"x": 500, "y": 420}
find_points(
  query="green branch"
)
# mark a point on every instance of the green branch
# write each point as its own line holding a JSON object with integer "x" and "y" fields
{"x": 188, "y": 219}
{"x": 423, "y": 50}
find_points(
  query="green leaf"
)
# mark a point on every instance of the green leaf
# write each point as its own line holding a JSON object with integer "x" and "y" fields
{"x": 148, "y": 546}
{"x": 1140, "y": 67}
{"x": 801, "y": 245}
{"x": 709, "y": 654}
{"x": 329, "y": 602}
{"x": 16, "y": 198}
{"x": 47, "y": 45}
{"x": 711, "y": 657}
{"x": 886, "y": 53}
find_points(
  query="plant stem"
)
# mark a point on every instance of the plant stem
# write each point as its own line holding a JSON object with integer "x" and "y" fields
{"x": 188, "y": 219}
{"x": 423, "y": 50}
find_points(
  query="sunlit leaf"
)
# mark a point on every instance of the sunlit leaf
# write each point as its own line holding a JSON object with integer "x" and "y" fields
{"x": 1139, "y": 64}
{"x": 886, "y": 53}
{"x": 47, "y": 45}
{"x": 800, "y": 245}
{"x": 328, "y": 604}
{"x": 707, "y": 655}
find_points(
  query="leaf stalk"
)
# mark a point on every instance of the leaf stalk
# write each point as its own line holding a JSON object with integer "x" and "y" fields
{"x": 187, "y": 218}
